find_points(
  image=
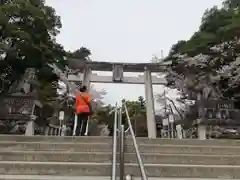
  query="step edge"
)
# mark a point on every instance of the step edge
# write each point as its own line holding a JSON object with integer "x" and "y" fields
{"x": 23, "y": 152}
{"x": 53, "y": 177}
{"x": 109, "y": 164}
{"x": 105, "y": 143}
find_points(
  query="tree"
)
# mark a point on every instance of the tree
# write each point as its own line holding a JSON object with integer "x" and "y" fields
{"x": 207, "y": 65}
{"x": 176, "y": 48}
{"x": 104, "y": 115}
{"x": 137, "y": 115}
{"x": 205, "y": 59}
{"x": 27, "y": 39}
{"x": 217, "y": 25}
{"x": 136, "y": 108}
{"x": 82, "y": 53}
{"x": 231, "y": 4}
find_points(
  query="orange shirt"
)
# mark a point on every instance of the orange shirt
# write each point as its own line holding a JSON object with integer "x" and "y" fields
{"x": 81, "y": 105}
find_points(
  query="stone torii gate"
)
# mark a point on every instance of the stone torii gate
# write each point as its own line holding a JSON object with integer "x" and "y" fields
{"x": 86, "y": 76}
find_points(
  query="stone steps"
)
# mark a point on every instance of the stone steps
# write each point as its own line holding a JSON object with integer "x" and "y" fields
{"x": 44, "y": 177}
{"x": 107, "y": 147}
{"x": 70, "y": 157}
{"x": 97, "y": 139}
{"x": 105, "y": 157}
{"x": 104, "y": 169}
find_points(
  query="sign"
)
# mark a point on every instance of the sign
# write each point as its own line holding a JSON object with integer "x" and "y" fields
{"x": 217, "y": 104}
{"x": 17, "y": 105}
{"x": 61, "y": 115}
{"x": 117, "y": 73}
{"x": 220, "y": 112}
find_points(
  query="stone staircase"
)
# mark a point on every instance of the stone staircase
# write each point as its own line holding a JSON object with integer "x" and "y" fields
{"x": 50, "y": 158}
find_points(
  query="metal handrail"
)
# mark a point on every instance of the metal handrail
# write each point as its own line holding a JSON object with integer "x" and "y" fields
{"x": 114, "y": 148}
{"x": 121, "y": 151}
{"x": 140, "y": 161}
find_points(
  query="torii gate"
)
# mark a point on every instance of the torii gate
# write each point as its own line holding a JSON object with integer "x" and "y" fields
{"x": 86, "y": 76}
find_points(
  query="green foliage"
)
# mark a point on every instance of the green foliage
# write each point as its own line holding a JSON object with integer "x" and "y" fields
{"x": 176, "y": 48}
{"x": 231, "y": 4}
{"x": 208, "y": 60}
{"x": 27, "y": 39}
{"x": 47, "y": 91}
{"x": 136, "y": 109}
{"x": 104, "y": 115}
{"x": 82, "y": 53}
{"x": 137, "y": 115}
{"x": 217, "y": 25}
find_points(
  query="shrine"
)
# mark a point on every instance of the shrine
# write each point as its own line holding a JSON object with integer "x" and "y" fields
{"x": 216, "y": 114}
{"x": 20, "y": 107}
{"x": 85, "y": 75}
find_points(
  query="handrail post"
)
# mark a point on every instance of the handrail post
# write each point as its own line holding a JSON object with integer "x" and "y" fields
{"x": 140, "y": 162}
{"x": 114, "y": 150}
{"x": 122, "y": 138}
{"x": 120, "y": 118}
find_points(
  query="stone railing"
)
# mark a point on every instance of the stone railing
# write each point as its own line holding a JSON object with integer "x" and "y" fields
{"x": 52, "y": 130}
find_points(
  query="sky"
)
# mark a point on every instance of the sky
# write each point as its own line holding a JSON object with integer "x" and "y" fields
{"x": 128, "y": 31}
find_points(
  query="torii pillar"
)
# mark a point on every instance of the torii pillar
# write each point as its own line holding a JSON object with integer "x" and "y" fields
{"x": 86, "y": 78}
{"x": 151, "y": 123}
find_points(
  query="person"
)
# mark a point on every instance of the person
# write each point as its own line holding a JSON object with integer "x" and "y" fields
{"x": 83, "y": 111}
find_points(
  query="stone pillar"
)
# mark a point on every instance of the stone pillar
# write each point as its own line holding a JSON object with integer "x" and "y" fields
{"x": 151, "y": 123}
{"x": 30, "y": 128}
{"x": 55, "y": 131}
{"x": 179, "y": 131}
{"x": 202, "y": 131}
{"x": 50, "y": 131}
{"x": 86, "y": 78}
{"x": 201, "y": 128}
{"x": 64, "y": 130}
{"x": 46, "y": 131}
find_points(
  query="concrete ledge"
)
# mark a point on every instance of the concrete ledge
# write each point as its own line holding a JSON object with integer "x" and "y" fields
{"x": 105, "y": 147}
{"x": 22, "y": 138}
{"x": 45, "y": 156}
{"x": 186, "y": 149}
{"x": 44, "y": 177}
{"x": 53, "y": 147}
{"x": 105, "y": 157}
{"x": 104, "y": 169}
{"x": 140, "y": 140}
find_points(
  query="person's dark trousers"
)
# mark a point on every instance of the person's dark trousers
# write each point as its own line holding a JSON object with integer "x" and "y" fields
{"x": 81, "y": 124}
{"x": 110, "y": 128}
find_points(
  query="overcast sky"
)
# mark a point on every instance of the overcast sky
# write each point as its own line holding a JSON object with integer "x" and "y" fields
{"x": 127, "y": 31}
